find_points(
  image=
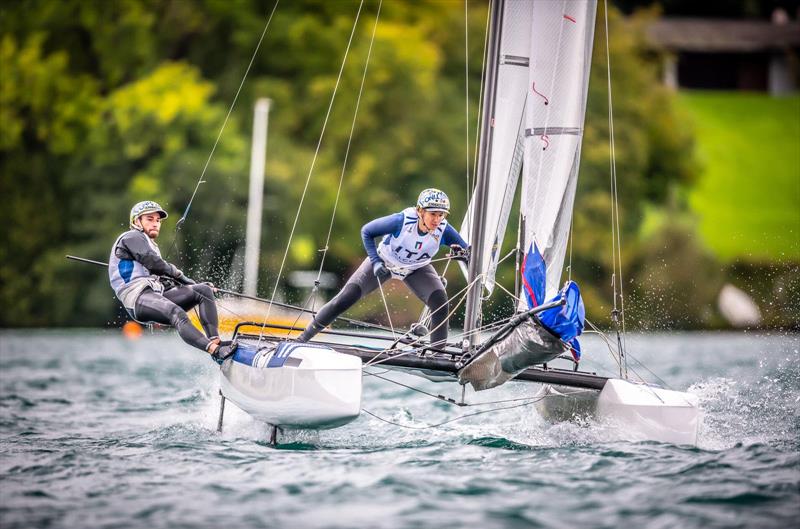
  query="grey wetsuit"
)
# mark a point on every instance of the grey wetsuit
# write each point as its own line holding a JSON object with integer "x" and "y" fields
{"x": 134, "y": 267}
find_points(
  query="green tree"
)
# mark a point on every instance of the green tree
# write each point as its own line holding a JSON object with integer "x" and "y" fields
{"x": 106, "y": 103}
{"x": 46, "y": 112}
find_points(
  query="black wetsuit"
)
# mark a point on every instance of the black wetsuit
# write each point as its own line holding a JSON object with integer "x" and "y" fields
{"x": 424, "y": 282}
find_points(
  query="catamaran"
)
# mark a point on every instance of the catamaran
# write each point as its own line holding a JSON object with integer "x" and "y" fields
{"x": 535, "y": 82}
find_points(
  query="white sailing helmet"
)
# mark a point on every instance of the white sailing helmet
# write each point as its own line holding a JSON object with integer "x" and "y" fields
{"x": 432, "y": 199}
{"x": 142, "y": 208}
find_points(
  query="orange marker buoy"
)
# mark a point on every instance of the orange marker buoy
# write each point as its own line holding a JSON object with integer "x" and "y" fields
{"x": 132, "y": 330}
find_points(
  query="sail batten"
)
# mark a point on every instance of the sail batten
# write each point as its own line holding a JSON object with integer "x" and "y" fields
{"x": 553, "y": 131}
{"x": 515, "y": 60}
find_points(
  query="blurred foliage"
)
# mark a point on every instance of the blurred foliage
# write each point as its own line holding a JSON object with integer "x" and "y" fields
{"x": 749, "y": 145}
{"x": 676, "y": 281}
{"x": 107, "y": 103}
{"x": 712, "y": 8}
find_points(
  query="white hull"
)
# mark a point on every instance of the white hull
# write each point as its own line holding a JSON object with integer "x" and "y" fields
{"x": 315, "y": 388}
{"x": 643, "y": 412}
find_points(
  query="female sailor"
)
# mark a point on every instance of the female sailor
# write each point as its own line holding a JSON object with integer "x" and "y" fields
{"x": 410, "y": 240}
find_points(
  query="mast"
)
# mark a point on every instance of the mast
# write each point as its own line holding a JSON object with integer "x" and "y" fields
{"x": 472, "y": 318}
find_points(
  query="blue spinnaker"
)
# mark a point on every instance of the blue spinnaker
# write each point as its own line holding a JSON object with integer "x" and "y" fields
{"x": 566, "y": 321}
{"x": 533, "y": 273}
{"x": 575, "y": 348}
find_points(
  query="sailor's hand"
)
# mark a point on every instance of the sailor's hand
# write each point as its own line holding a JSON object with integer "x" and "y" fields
{"x": 459, "y": 253}
{"x": 456, "y": 248}
{"x": 211, "y": 285}
{"x": 181, "y": 278}
{"x": 380, "y": 271}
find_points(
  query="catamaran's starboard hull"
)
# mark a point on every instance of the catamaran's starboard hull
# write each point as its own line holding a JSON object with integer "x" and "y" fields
{"x": 643, "y": 412}
{"x": 293, "y": 385}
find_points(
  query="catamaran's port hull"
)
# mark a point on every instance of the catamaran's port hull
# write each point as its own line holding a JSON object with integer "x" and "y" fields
{"x": 319, "y": 389}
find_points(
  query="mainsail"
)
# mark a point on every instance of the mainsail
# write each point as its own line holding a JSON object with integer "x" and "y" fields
{"x": 540, "y": 103}
{"x": 508, "y": 125}
{"x": 558, "y": 80}
{"x": 549, "y": 43}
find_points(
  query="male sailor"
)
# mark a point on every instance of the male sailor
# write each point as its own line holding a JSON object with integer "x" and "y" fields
{"x": 155, "y": 291}
{"x": 410, "y": 240}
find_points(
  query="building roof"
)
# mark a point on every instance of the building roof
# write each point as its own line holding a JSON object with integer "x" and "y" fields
{"x": 719, "y": 35}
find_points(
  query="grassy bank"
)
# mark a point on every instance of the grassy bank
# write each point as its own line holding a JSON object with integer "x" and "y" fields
{"x": 748, "y": 196}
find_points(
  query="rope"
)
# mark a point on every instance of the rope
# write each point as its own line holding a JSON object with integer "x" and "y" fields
{"x": 363, "y": 323}
{"x": 442, "y": 397}
{"x": 386, "y": 306}
{"x": 374, "y": 361}
{"x": 504, "y": 289}
{"x": 607, "y": 340}
{"x": 470, "y": 213}
{"x": 414, "y": 350}
{"x": 200, "y": 180}
{"x": 532, "y": 400}
{"x": 506, "y": 256}
{"x": 349, "y": 142}
{"x": 438, "y": 397}
{"x": 571, "y": 244}
{"x": 635, "y": 372}
{"x": 311, "y": 169}
{"x": 616, "y": 239}
{"x": 400, "y": 269}
{"x": 466, "y": 95}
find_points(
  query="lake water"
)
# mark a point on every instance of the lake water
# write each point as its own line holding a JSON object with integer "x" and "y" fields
{"x": 99, "y": 431}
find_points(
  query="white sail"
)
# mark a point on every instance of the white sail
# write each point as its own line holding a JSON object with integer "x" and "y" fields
{"x": 508, "y": 133}
{"x": 560, "y": 58}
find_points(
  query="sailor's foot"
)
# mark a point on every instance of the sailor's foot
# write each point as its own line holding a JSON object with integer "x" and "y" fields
{"x": 223, "y": 352}
{"x": 419, "y": 330}
{"x": 309, "y": 332}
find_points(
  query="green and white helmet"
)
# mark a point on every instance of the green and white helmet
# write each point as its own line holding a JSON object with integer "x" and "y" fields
{"x": 142, "y": 208}
{"x": 433, "y": 200}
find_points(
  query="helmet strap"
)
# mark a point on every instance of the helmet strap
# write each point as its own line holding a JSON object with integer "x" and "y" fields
{"x": 420, "y": 213}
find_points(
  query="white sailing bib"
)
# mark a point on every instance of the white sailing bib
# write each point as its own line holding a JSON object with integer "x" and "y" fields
{"x": 410, "y": 250}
